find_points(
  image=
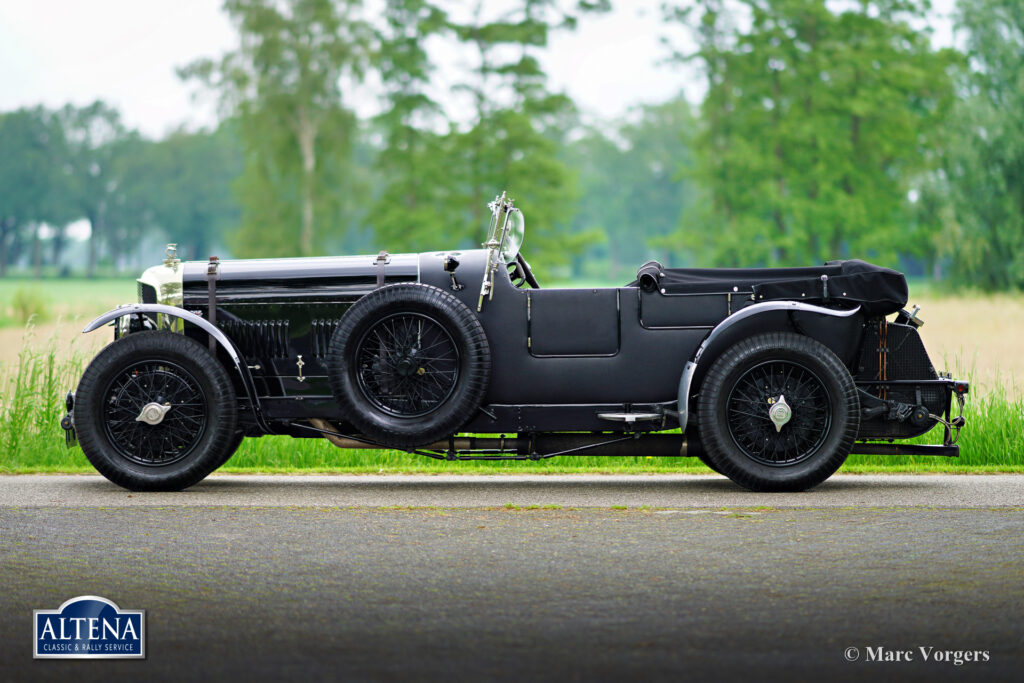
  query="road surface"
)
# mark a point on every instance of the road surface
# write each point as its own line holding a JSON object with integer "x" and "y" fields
{"x": 682, "y": 490}
{"x": 319, "y": 578}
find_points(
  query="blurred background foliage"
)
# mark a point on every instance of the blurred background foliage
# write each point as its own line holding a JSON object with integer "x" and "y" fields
{"x": 828, "y": 129}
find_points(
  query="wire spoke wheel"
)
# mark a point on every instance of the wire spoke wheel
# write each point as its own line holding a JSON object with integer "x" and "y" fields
{"x": 778, "y": 411}
{"x": 156, "y": 411}
{"x": 779, "y": 383}
{"x": 407, "y": 364}
{"x": 181, "y": 414}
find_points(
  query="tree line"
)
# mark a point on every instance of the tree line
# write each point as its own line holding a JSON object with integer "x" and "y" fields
{"x": 82, "y": 164}
{"x": 827, "y": 130}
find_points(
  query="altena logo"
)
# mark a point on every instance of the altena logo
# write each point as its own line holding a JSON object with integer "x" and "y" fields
{"x": 89, "y": 627}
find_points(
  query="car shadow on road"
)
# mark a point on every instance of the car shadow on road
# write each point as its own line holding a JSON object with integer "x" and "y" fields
{"x": 688, "y": 485}
{"x": 666, "y": 482}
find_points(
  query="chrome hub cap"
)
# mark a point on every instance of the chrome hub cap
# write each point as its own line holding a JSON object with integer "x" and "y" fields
{"x": 153, "y": 413}
{"x": 775, "y": 394}
{"x": 780, "y": 413}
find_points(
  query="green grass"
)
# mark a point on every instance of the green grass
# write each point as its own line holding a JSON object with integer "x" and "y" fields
{"x": 72, "y": 290}
{"x": 31, "y": 404}
{"x": 63, "y": 297}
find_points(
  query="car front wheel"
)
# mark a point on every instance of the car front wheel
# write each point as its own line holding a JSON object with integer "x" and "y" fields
{"x": 778, "y": 412}
{"x": 155, "y": 411}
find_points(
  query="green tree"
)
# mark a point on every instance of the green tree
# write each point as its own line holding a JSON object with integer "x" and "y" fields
{"x": 634, "y": 187}
{"x": 816, "y": 125}
{"x": 128, "y": 207}
{"x": 33, "y": 181}
{"x": 985, "y": 164}
{"x": 517, "y": 128}
{"x": 285, "y": 85}
{"x": 93, "y": 134}
{"x": 411, "y": 164}
{"x": 185, "y": 181}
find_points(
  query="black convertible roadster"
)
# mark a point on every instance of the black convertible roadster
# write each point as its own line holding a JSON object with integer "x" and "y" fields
{"x": 770, "y": 376}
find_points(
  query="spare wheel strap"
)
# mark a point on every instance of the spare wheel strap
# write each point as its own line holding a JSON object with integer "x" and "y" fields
{"x": 211, "y": 284}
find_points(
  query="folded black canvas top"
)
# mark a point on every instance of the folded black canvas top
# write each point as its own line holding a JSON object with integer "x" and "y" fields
{"x": 878, "y": 290}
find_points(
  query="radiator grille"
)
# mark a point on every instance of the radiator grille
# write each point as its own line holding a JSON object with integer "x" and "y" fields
{"x": 147, "y": 294}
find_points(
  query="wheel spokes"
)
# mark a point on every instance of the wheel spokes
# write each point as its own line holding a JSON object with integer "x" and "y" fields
{"x": 749, "y": 408}
{"x": 176, "y": 434}
{"x": 407, "y": 364}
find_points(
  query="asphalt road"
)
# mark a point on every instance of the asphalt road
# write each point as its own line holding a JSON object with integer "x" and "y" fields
{"x": 289, "y": 587}
{"x": 684, "y": 490}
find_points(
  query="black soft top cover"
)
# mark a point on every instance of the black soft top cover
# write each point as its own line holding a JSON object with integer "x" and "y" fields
{"x": 879, "y": 291}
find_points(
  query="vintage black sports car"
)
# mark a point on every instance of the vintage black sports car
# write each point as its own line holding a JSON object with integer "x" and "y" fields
{"x": 770, "y": 376}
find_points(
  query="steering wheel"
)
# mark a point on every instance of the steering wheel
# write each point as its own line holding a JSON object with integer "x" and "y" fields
{"x": 520, "y": 274}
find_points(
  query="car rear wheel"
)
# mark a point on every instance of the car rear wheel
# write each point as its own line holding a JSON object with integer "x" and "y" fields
{"x": 409, "y": 364}
{"x": 778, "y": 412}
{"x": 155, "y": 411}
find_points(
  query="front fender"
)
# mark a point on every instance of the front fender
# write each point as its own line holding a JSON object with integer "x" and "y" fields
{"x": 719, "y": 333}
{"x": 173, "y": 312}
{"x": 215, "y": 332}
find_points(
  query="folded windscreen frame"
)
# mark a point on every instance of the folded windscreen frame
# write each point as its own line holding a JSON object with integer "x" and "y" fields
{"x": 878, "y": 290}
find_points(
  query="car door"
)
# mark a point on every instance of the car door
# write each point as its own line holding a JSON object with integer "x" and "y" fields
{"x": 573, "y": 322}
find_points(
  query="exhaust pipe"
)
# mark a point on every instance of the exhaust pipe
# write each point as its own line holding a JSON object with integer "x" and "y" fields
{"x": 608, "y": 445}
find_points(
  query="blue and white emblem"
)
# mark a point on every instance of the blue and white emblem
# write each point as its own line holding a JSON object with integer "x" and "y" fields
{"x": 89, "y": 627}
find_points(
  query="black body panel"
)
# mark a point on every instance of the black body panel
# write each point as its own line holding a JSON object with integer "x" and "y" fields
{"x": 295, "y": 280}
{"x": 645, "y": 369}
{"x": 575, "y": 322}
{"x": 283, "y": 311}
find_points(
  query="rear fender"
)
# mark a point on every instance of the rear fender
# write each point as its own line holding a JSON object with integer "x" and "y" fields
{"x": 837, "y": 329}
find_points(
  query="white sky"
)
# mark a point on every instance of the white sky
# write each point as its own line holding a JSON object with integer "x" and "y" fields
{"x": 126, "y": 52}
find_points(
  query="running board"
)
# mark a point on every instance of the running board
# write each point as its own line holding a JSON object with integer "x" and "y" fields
{"x": 874, "y": 448}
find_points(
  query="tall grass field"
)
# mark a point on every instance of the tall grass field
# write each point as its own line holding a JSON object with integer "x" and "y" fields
{"x": 34, "y": 384}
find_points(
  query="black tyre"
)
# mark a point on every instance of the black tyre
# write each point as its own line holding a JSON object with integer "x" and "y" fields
{"x": 409, "y": 364}
{"x": 155, "y": 411}
{"x": 778, "y": 412}
{"x": 707, "y": 461}
{"x": 233, "y": 445}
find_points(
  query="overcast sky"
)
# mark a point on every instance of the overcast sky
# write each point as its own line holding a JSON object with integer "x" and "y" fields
{"x": 126, "y": 52}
